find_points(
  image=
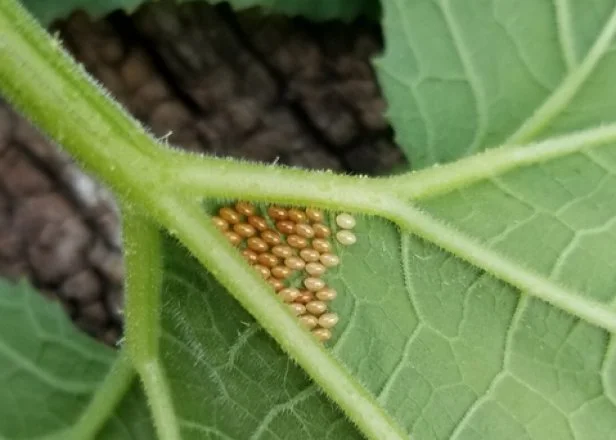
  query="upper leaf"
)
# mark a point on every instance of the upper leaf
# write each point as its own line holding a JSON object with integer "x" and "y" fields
{"x": 460, "y": 78}
{"x": 313, "y": 9}
{"x": 47, "y": 11}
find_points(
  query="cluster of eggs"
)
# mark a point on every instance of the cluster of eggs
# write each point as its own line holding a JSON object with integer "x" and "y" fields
{"x": 290, "y": 249}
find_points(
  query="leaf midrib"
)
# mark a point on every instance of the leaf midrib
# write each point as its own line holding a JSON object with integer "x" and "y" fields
{"x": 426, "y": 183}
{"x": 439, "y": 180}
{"x": 399, "y": 211}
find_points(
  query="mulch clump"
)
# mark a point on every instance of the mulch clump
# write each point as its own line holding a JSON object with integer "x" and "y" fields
{"x": 263, "y": 88}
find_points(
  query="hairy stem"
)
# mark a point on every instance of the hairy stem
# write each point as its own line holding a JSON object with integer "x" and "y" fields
{"x": 199, "y": 175}
{"x": 69, "y": 106}
{"x": 159, "y": 398}
{"x": 439, "y": 180}
{"x": 143, "y": 261}
{"x": 104, "y": 402}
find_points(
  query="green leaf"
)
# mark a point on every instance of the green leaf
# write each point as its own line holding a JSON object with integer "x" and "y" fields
{"x": 444, "y": 347}
{"x": 486, "y": 311}
{"x": 447, "y": 349}
{"x": 520, "y": 366}
{"x": 312, "y": 9}
{"x": 461, "y": 78}
{"x": 48, "y": 11}
{"x": 228, "y": 378}
{"x": 51, "y": 370}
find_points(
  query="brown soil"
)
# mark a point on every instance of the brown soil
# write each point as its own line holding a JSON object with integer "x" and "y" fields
{"x": 261, "y": 88}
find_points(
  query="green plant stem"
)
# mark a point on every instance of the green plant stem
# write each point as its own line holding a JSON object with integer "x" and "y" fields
{"x": 443, "y": 179}
{"x": 109, "y": 394}
{"x": 159, "y": 398}
{"x": 196, "y": 174}
{"x": 143, "y": 262}
{"x": 40, "y": 79}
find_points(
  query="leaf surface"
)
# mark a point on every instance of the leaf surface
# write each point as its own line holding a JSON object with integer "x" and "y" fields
{"x": 229, "y": 379}
{"x": 47, "y": 11}
{"x": 461, "y": 78}
{"x": 50, "y": 370}
{"x": 447, "y": 349}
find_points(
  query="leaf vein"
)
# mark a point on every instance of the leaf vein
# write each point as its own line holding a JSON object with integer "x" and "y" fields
{"x": 473, "y": 78}
{"x": 567, "y": 89}
{"x": 565, "y": 33}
